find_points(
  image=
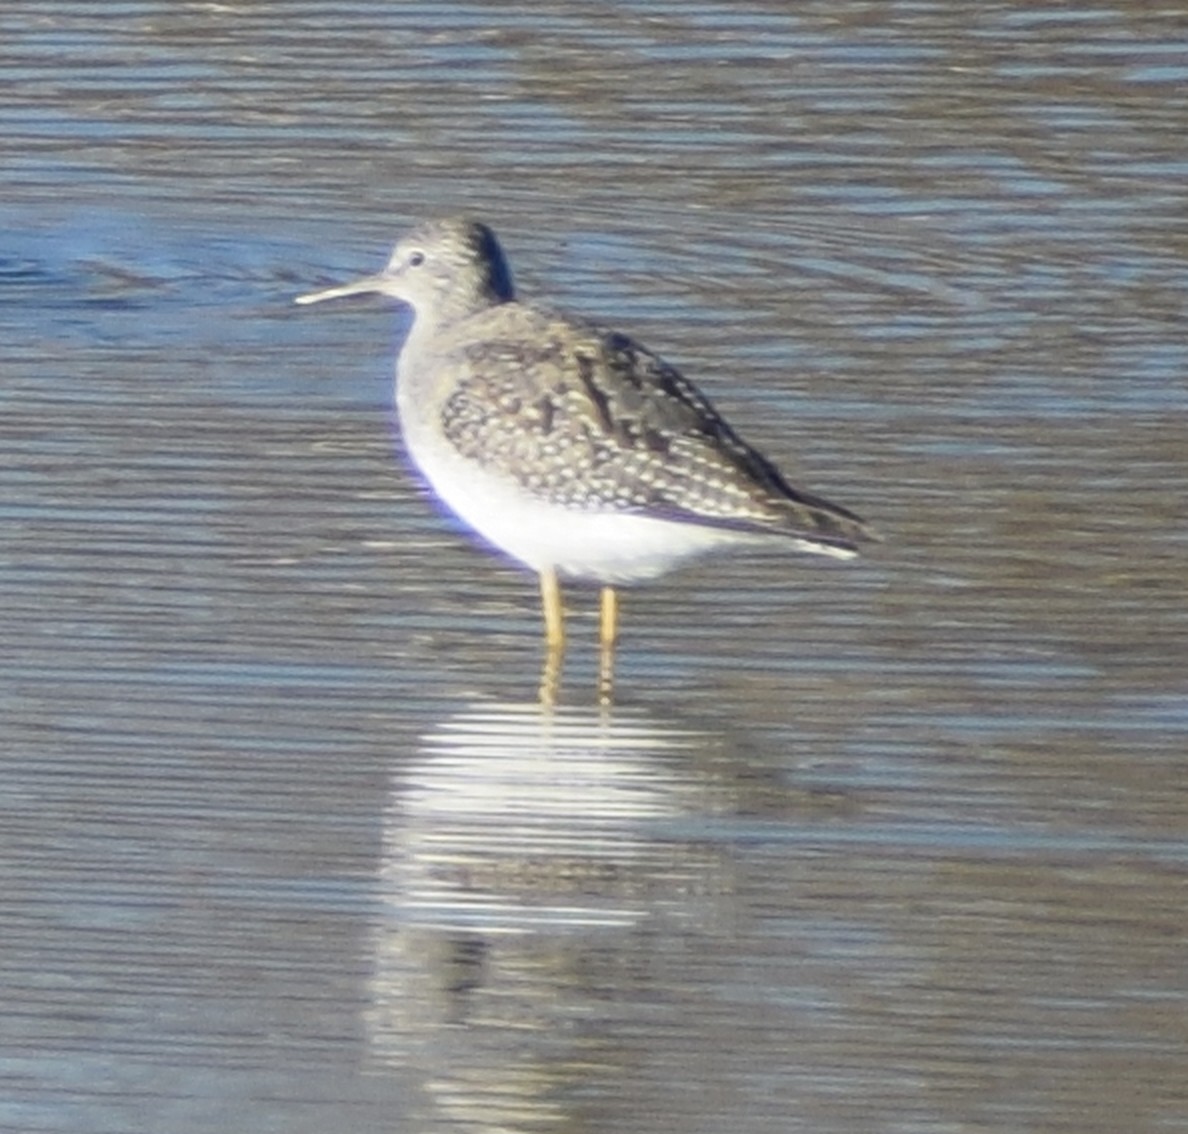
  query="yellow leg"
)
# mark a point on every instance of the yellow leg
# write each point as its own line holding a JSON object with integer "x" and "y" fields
{"x": 554, "y": 620}
{"x": 554, "y": 616}
{"x": 608, "y": 633}
{"x": 608, "y": 624}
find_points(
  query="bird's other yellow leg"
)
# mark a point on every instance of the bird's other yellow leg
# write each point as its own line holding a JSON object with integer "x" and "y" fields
{"x": 608, "y": 622}
{"x": 608, "y": 634}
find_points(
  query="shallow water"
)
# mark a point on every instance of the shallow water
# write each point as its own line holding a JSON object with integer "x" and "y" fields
{"x": 893, "y": 845}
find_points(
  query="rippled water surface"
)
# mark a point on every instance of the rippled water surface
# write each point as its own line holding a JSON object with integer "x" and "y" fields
{"x": 894, "y": 845}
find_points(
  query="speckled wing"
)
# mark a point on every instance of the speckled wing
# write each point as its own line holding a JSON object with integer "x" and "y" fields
{"x": 588, "y": 419}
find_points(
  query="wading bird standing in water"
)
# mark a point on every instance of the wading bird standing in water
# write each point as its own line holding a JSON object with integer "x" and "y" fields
{"x": 569, "y": 446}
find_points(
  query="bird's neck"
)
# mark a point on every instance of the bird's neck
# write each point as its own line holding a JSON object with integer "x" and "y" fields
{"x": 444, "y": 323}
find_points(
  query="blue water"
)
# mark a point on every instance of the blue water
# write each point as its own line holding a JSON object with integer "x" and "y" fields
{"x": 893, "y": 845}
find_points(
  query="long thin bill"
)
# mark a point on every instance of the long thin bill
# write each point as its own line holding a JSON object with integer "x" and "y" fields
{"x": 355, "y": 287}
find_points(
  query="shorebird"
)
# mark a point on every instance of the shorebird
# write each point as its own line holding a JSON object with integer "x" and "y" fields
{"x": 569, "y": 446}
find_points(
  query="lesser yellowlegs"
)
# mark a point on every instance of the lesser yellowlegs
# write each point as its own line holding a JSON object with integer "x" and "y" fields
{"x": 569, "y": 446}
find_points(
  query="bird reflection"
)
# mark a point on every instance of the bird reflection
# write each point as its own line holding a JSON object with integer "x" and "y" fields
{"x": 530, "y": 869}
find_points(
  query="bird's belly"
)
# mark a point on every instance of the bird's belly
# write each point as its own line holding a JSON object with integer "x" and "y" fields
{"x": 604, "y": 546}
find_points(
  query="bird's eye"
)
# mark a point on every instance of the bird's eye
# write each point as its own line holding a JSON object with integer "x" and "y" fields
{"x": 416, "y": 259}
